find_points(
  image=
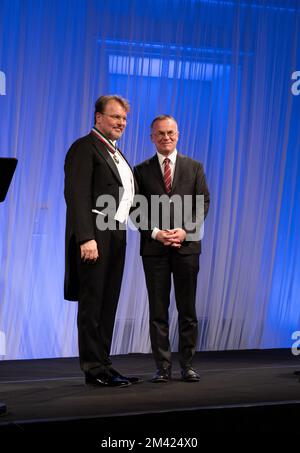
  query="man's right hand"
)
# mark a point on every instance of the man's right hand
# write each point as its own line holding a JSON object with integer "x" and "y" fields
{"x": 167, "y": 238}
{"x": 89, "y": 251}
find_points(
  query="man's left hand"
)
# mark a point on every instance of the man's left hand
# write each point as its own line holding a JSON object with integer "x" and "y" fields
{"x": 178, "y": 236}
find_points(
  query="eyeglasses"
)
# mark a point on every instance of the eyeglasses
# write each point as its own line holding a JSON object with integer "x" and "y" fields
{"x": 116, "y": 117}
{"x": 161, "y": 135}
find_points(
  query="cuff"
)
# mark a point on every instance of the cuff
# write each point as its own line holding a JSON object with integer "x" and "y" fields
{"x": 154, "y": 233}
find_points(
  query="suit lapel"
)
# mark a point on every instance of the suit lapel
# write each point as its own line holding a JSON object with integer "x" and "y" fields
{"x": 104, "y": 154}
{"x": 177, "y": 172}
{"x": 157, "y": 172}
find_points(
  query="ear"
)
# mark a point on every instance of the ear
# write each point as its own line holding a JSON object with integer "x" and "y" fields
{"x": 98, "y": 117}
{"x": 151, "y": 136}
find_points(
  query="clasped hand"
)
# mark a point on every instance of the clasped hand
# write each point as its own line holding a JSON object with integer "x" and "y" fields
{"x": 173, "y": 238}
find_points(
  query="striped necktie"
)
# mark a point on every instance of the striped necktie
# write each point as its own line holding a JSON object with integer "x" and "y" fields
{"x": 167, "y": 175}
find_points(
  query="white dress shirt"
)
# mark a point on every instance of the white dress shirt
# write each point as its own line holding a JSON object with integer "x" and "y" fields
{"x": 126, "y": 177}
{"x": 172, "y": 158}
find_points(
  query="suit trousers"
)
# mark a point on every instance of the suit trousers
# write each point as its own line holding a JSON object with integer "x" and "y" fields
{"x": 99, "y": 290}
{"x": 158, "y": 271}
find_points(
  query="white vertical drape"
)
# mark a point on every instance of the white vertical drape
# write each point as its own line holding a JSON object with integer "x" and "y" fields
{"x": 223, "y": 69}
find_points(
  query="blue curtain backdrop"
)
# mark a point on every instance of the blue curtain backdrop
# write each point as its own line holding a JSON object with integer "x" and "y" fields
{"x": 224, "y": 70}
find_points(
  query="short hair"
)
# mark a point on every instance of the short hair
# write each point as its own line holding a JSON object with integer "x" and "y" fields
{"x": 102, "y": 101}
{"x": 162, "y": 117}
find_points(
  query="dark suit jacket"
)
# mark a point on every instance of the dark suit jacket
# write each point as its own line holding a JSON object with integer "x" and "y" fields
{"x": 188, "y": 179}
{"x": 89, "y": 173}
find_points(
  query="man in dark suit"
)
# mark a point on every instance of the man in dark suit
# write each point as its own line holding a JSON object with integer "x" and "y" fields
{"x": 95, "y": 250}
{"x": 172, "y": 249}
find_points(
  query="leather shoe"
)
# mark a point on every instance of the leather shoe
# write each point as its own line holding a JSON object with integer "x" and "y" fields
{"x": 189, "y": 375}
{"x": 131, "y": 379}
{"x": 161, "y": 375}
{"x": 104, "y": 380}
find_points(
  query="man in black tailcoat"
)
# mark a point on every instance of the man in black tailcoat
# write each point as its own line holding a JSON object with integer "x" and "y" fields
{"x": 95, "y": 255}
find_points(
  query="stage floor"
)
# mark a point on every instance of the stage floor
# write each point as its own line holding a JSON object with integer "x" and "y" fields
{"x": 251, "y": 389}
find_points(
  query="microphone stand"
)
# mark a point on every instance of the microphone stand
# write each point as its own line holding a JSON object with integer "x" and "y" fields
{"x": 3, "y": 409}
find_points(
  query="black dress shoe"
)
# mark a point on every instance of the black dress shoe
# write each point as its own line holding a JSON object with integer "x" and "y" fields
{"x": 104, "y": 380}
{"x": 189, "y": 375}
{"x": 131, "y": 379}
{"x": 161, "y": 375}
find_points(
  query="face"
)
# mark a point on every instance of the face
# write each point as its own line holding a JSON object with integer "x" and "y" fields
{"x": 112, "y": 121}
{"x": 165, "y": 136}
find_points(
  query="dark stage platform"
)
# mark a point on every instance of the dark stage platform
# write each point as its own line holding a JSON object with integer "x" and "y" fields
{"x": 253, "y": 391}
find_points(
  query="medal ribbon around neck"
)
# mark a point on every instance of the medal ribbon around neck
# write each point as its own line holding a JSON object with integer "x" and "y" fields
{"x": 109, "y": 145}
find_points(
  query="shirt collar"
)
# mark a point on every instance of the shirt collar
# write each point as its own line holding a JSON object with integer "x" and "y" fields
{"x": 171, "y": 156}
